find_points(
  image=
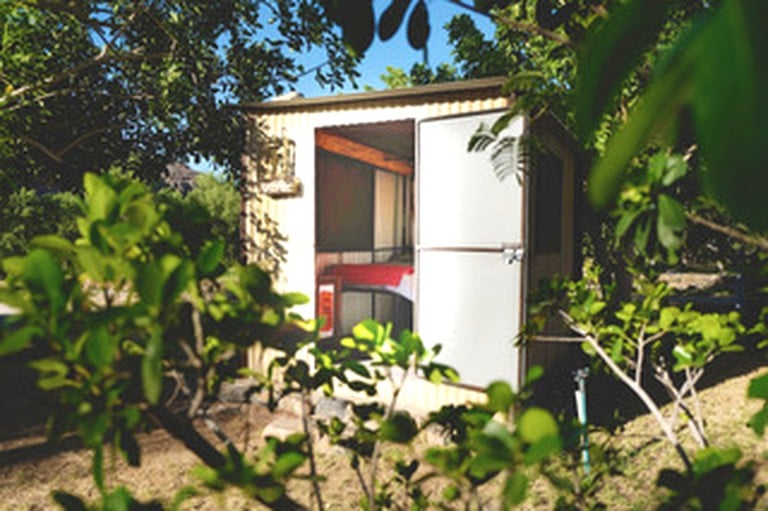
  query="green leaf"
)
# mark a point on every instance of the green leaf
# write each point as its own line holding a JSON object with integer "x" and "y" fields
{"x": 625, "y": 221}
{"x": 656, "y": 110}
{"x": 101, "y": 199}
{"x": 399, "y": 428}
{"x": 534, "y": 374}
{"x": 611, "y": 51}
{"x": 287, "y": 463}
{"x": 118, "y": 500}
{"x": 535, "y": 424}
{"x": 210, "y": 257}
{"x": 101, "y": 346}
{"x": 418, "y": 26}
{"x": 392, "y": 18}
{"x": 675, "y": 167}
{"x": 500, "y": 395}
{"x": 759, "y": 421}
{"x": 668, "y": 316}
{"x": 19, "y": 339}
{"x": 758, "y": 387}
{"x": 682, "y": 355}
{"x": 711, "y": 458}
{"x": 152, "y": 369}
{"x": 542, "y": 449}
{"x": 671, "y": 221}
{"x": 68, "y": 501}
{"x": 149, "y": 284}
{"x": 515, "y": 488}
{"x": 43, "y": 275}
{"x": 49, "y": 366}
{"x": 55, "y": 244}
{"x": 617, "y": 354}
{"x": 730, "y": 110}
{"x": 97, "y": 464}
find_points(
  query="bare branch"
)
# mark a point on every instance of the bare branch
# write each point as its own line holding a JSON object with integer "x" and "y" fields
{"x": 639, "y": 391}
{"x": 756, "y": 241}
{"x": 103, "y": 57}
{"x": 58, "y": 156}
{"x": 640, "y": 355}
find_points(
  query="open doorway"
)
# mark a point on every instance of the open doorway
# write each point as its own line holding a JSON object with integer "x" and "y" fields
{"x": 364, "y": 217}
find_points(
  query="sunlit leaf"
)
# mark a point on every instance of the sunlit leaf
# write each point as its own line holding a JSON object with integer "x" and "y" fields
{"x": 500, "y": 396}
{"x": 152, "y": 369}
{"x": 536, "y": 423}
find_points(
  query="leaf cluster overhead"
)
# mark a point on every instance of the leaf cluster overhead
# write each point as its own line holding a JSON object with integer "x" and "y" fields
{"x": 87, "y": 84}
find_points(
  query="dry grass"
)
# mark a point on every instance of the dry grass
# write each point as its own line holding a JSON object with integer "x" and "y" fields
{"x": 30, "y": 470}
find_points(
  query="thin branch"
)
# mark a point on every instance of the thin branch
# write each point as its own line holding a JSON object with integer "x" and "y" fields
{"x": 639, "y": 391}
{"x": 103, "y": 57}
{"x": 305, "y": 424}
{"x": 58, "y": 156}
{"x": 197, "y": 329}
{"x": 640, "y": 355}
{"x": 756, "y": 241}
{"x": 696, "y": 427}
{"x": 42, "y": 147}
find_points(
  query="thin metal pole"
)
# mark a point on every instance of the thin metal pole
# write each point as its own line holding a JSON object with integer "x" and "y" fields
{"x": 580, "y": 377}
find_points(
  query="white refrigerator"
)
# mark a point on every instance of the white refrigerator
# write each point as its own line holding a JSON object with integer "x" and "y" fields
{"x": 470, "y": 250}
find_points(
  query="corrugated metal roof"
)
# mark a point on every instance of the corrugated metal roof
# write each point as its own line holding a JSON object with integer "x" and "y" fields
{"x": 433, "y": 92}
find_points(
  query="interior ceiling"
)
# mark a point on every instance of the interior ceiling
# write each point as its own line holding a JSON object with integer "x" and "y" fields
{"x": 395, "y": 138}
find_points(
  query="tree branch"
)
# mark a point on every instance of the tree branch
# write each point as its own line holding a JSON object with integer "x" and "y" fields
{"x": 103, "y": 57}
{"x": 58, "y": 156}
{"x": 756, "y": 241}
{"x": 639, "y": 391}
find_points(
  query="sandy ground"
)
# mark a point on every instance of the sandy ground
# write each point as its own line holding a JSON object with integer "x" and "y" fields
{"x": 30, "y": 469}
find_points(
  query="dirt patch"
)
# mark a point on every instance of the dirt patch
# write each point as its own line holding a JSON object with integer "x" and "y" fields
{"x": 30, "y": 469}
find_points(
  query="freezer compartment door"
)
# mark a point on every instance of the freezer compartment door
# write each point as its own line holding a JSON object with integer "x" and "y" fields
{"x": 470, "y": 303}
{"x": 468, "y": 199}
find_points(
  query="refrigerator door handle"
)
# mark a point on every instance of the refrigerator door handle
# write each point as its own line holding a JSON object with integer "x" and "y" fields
{"x": 511, "y": 255}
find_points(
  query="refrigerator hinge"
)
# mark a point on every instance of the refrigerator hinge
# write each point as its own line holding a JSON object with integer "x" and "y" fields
{"x": 512, "y": 255}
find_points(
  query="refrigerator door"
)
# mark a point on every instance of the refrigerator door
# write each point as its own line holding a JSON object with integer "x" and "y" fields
{"x": 469, "y": 252}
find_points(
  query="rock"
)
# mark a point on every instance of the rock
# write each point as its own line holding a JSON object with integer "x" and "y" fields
{"x": 282, "y": 427}
{"x": 329, "y": 407}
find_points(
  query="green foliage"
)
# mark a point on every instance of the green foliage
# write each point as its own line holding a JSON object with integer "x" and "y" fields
{"x": 265, "y": 476}
{"x": 648, "y": 214}
{"x": 485, "y": 447}
{"x": 111, "y": 320}
{"x": 211, "y": 210}
{"x": 24, "y": 214}
{"x": 646, "y": 335}
{"x": 714, "y": 71}
{"x": 91, "y": 84}
{"x": 717, "y": 481}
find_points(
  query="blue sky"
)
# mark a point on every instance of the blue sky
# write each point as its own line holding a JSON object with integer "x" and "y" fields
{"x": 396, "y": 51}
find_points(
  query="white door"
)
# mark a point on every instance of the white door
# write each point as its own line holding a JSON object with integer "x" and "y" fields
{"x": 470, "y": 232}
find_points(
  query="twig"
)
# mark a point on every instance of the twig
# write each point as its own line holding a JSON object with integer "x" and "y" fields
{"x": 696, "y": 427}
{"x": 199, "y": 396}
{"x": 640, "y": 355}
{"x": 669, "y": 433}
{"x": 103, "y": 57}
{"x": 756, "y": 241}
{"x": 310, "y": 450}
